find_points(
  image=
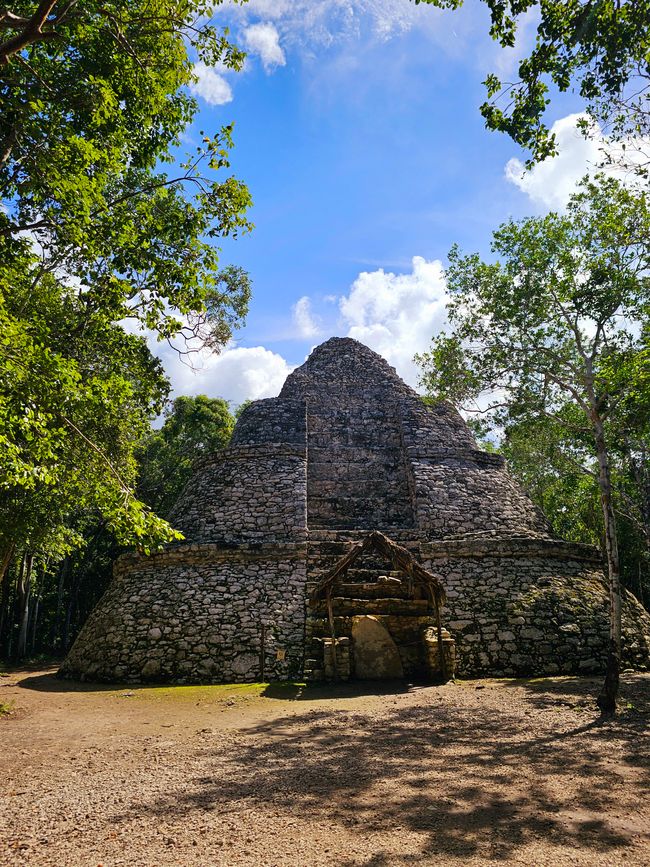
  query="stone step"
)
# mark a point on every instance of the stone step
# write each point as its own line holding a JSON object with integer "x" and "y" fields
{"x": 319, "y": 626}
{"x": 346, "y": 499}
{"x": 366, "y": 575}
{"x": 372, "y": 591}
{"x": 351, "y": 471}
{"x": 359, "y": 577}
{"x": 394, "y": 492}
{"x": 347, "y": 606}
{"x": 354, "y": 438}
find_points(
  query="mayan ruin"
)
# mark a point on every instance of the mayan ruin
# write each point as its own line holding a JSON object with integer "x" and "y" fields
{"x": 320, "y": 542}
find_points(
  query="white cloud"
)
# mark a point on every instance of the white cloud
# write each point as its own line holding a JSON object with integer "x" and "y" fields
{"x": 309, "y": 26}
{"x": 269, "y": 8}
{"x": 394, "y": 314}
{"x": 210, "y": 86}
{"x": 263, "y": 39}
{"x": 551, "y": 183}
{"x": 303, "y": 318}
{"x": 397, "y": 314}
{"x": 237, "y": 374}
{"x": 323, "y": 21}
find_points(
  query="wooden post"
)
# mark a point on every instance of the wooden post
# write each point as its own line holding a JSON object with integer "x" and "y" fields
{"x": 262, "y": 649}
{"x": 330, "y": 614}
{"x": 441, "y": 649}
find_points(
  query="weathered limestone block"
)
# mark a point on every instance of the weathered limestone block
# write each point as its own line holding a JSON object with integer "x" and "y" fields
{"x": 430, "y": 638}
{"x": 376, "y": 656}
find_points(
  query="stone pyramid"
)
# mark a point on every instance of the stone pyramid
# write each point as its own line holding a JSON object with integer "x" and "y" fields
{"x": 345, "y": 449}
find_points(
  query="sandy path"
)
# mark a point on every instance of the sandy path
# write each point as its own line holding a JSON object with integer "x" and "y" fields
{"x": 482, "y": 772}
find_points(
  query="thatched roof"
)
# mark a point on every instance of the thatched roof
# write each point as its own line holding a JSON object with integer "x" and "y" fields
{"x": 401, "y": 559}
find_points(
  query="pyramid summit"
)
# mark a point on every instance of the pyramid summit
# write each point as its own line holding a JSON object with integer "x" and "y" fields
{"x": 315, "y": 541}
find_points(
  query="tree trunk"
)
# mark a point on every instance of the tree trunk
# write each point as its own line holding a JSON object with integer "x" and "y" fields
{"x": 5, "y": 560}
{"x": 609, "y": 691}
{"x": 14, "y": 607}
{"x": 4, "y": 595}
{"x": 33, "y": 625}
{"x": 71, "y": 608}
{"x": 24, "y": 593}
{"x": 56, "y": 638}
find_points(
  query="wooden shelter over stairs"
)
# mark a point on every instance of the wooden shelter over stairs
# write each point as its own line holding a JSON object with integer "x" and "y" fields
{"x": 405, "y": 604}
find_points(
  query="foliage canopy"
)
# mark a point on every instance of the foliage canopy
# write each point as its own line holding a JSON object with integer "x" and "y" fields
{"x": 100, "y": 223}
{"x": 602, "y": 48}
{"x": 558, "y": 329}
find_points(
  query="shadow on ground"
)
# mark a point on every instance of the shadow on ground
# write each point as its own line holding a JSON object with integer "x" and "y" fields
{"x": 321, "y": 691}
{"x": 49, "y": 682}
{"x": 468, "y": 777}
{"x": 575, "y": 692}
{"x": 285, "y": 691}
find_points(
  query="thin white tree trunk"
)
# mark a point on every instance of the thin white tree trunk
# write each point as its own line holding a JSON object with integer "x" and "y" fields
{"x": 609, "y": 692}
{"x": 24, "y": 593}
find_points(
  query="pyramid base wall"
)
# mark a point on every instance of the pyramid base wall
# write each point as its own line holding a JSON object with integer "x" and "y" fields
{"x": 210, "y": 614}
{"x": 197, "y": 614}
{"x": 531, "y": 607}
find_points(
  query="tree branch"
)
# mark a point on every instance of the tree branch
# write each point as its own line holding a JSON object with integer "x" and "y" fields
{"x": 125, "y": 488}
{"x": 31, "y": 28}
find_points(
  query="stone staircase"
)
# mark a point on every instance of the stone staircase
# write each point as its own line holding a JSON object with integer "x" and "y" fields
{"x": 371, "y": 588}
{"x": 357, "y": 476}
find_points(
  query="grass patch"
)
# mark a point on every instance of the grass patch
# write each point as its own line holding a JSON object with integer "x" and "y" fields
{"x": 197, "y": 692}
{"x": 212, "y": 693}
{"x": 6, "y": 708}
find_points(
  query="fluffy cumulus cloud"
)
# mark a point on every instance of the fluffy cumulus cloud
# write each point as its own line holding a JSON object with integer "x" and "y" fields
{"x": 210, "y": 86}
{"x": 263, "y": 39}
{"x": 303, "y": 318}
{"x": 237, "y": 374}
{"x": 397, "y": 314}
{"x": 324, "y": 21}
{"x": 394, "y": 314}
{"x": 549, "y": 184}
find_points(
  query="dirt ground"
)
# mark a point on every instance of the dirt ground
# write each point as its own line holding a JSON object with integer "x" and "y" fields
{"x": 515, "y": 772}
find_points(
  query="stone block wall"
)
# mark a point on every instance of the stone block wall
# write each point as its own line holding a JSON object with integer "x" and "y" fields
{"x": 195, "y": 615}
{"x": 521, "y": 608}
{"x": 356, "y": 474}
{"x": 460, "y": 492}
{"x": 271, "y": 421}
{"x": 432, "y": 426}
{"x": 246, "y": 493}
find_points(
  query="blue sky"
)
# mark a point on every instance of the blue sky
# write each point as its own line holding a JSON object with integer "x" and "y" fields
{"x": 359, "y": 135}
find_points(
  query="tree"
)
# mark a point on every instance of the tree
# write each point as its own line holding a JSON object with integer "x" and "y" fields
{"x": 563, "y": 317}
{"x": 67, "y": 546}
{"x": 94, "y": 98}
{"x": 195, "y": 427}
{"x": 602, "y": 48}
{"x": 93, "y": 232}
{"x": 76, "y": 395}
{"x": 556, "y": 465}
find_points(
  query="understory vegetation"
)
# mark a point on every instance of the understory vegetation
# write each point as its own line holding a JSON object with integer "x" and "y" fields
{"x": 46, "y": 598}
